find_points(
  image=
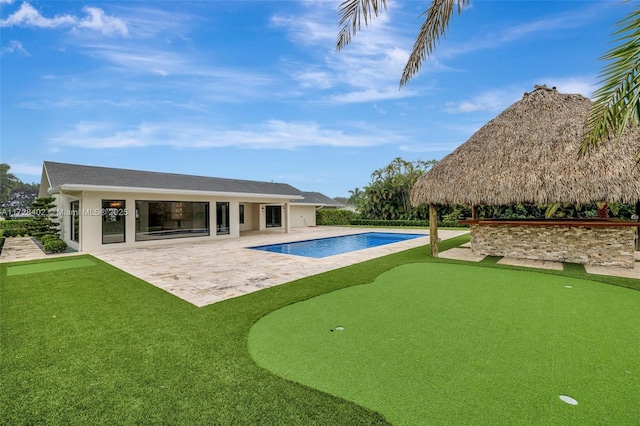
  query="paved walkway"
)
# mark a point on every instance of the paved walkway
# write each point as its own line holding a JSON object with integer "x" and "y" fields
{"x": 464, "y": 253}
{"x": 23, "y": 248}
{"x": 20, "y": 248}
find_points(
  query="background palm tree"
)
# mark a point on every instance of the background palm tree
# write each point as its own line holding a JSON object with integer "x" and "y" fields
{"x": 8, "y": 182}
{"x": 617, "y": 103}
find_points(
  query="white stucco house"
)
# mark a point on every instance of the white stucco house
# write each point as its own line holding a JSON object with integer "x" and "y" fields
{"x": 101, "y": 208}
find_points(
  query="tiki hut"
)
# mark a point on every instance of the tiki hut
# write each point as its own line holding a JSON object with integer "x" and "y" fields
{"x": 529, "y": 154}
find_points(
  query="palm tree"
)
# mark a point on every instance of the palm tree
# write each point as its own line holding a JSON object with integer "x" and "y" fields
{"x": 355, "y": 194}
{"x": 8, "y": 182}
{"x": 436, "y": 22}
{"x": 617, "y": 102}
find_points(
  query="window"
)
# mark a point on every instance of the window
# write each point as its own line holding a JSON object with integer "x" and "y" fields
{"x": 114, "y": 213}
{"x": 75, "y": 221}
{"x": 222, "y": 218}
{"x": 241, "y": 213}
{"x": 159, "y": 220}
{"x": 274, "y": 216}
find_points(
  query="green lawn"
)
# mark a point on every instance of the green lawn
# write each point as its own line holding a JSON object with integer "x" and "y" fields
{"x": 457, "y": 344}
{"x": 94, "y": 345}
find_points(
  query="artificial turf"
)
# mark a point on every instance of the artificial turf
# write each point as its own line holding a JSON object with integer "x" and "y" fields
{"x": 34, "y": 268}
{"x": 444, "y": 344}
{"x": 94, "y": 345}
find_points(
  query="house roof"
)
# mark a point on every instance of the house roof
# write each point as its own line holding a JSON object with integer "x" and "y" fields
{"x": 318, "y": 199}
{"x": 529, "y": 153}
{"x": 79, "y": 177}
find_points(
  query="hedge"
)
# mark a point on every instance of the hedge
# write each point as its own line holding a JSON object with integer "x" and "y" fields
{"x": 55, "y": 245}
{"x": 334, "y": 217}
{"x": 15, "y": 232}
{"x": 421, "y": 223}
{"x": 16, "y": 224}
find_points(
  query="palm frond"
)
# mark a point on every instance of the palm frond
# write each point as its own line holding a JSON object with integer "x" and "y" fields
{"x": 617, "y": 101}
{"x": 435, "y": 24}
{"x": 352, "y": 13}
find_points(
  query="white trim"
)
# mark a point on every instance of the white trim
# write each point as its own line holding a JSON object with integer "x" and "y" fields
{"x": 126, "y": 189}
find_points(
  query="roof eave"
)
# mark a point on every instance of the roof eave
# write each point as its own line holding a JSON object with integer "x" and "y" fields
{"x": 126, "y": 189}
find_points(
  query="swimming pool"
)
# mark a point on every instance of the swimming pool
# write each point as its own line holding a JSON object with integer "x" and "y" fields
{"x": 331, "y": 246}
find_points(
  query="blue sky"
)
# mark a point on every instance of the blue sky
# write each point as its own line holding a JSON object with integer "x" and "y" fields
{"x": 255, "y": 90}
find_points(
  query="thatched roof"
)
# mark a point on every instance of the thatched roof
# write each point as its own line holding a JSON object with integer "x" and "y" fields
{"x": 529, "y": 154}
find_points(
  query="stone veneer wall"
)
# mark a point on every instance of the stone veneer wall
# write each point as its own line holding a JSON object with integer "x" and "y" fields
{"x": 606, "y": 246}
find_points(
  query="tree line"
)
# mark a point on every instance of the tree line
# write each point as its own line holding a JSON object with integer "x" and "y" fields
{"x": 388, "y": 197}
{"x": 15, "y": 195}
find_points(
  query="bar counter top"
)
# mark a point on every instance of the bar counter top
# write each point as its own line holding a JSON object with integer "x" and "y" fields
{"x": 586, "y": 223}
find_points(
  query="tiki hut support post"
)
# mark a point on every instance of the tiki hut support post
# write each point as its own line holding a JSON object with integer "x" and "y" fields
{"x": 474, "y": 212}
{"x": 433, "y": 229}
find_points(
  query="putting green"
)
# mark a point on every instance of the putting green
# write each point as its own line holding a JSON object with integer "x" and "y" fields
{"x": 48, "y": 266}
{"x": 456, "y": 344}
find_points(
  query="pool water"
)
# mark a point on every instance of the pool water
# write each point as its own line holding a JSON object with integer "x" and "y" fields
{"x": 331, "y": 246}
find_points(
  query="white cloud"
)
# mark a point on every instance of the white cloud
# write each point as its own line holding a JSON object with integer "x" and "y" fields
{"x": 214, "y": 82}
{"x": 272, "y": 134}
{"x": 15, "y": 46}
{"x": 6, "y": 1}
{"x": 583, "y": 85}
{"x": 493, "y": 38}
{"x": 98, "y": 21}
{"x": 28, "y": 16}
{"x": 372, "y": 95}
{"x": 367, "y": 70}
{"x": 492, "y": 100}
{"x": 95, "y": 19}
{"x": 316, "y": 79}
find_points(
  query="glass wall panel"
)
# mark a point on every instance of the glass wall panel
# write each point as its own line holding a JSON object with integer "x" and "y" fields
{"x": 114, "y": 213}
{"x": 222, "y": 218}
{"x": 75, "y": 221}
{"x": 274, "y": 216}
{"x": 158, "y": 220}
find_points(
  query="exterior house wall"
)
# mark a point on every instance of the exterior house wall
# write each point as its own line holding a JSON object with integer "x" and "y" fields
{"x": 91, "y": 218}
{"x": 605, "y": 246}
{"x": 248, "y": 217}
{"x": 303, "y": 216}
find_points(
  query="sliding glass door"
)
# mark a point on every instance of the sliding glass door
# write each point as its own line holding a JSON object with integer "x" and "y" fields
{"x": 159, "y": 220}
{"x": 274, "y": 216}
{"x": 114, "y": 213}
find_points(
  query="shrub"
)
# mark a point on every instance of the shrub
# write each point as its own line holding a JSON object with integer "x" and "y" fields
{"x": 55, "y": 245}
{"x": 382, "y": 222}
{"x": 15, "y": 224}
{"x": 14, "y": 232}
{"x": 421, "y": 223}
{"x": 47, "y": 237}
{"x": 335, "y": 217}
